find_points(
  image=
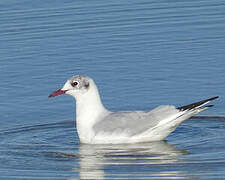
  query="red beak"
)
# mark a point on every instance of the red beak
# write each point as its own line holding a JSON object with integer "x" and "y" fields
{"x": 58, "y": 92}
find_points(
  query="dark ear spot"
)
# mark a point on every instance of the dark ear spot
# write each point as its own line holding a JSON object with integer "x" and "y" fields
{"x": 86, "y": 85}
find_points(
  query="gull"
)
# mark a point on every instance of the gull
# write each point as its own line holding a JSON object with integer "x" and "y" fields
{"x": 97, "y": 125}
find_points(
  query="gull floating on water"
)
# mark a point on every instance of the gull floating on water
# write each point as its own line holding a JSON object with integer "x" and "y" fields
{"x": 97, "y": 125}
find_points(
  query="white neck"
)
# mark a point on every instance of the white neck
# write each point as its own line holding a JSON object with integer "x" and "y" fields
{"x": 89, "y": 109}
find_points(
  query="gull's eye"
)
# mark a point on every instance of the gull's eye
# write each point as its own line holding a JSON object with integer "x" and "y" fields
{"x": 75, "y": 83}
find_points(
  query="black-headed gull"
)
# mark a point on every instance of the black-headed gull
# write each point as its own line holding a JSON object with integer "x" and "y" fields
{"x": 97, "y": 125}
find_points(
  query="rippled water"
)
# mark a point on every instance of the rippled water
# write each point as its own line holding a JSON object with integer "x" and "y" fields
{"x": 141, "y": 55}
{"x": 52, "y": 151}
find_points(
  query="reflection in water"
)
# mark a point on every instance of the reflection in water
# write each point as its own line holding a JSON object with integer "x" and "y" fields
{"x": 132, "y": 160}
{"x": 52, "y": 149}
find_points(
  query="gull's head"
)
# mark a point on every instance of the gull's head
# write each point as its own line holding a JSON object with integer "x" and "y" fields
{"x": 76, "y": 86}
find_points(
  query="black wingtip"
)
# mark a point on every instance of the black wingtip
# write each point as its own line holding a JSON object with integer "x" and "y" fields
{"x": 194, "y": 105}
{"x": 213, "y": 98}
{"x": 209, "y": 106}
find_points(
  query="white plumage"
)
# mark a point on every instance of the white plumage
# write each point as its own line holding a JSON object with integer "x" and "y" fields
{"x": 97, "y": 125}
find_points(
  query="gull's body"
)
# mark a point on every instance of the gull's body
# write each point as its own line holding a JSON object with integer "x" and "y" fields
{"x": 97, "y": 125}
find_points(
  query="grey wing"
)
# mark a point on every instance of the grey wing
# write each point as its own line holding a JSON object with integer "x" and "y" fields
{"x": 133, "y": 122}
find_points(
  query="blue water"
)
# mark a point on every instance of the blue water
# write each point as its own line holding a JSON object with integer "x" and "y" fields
{"x": 141, "y": 54}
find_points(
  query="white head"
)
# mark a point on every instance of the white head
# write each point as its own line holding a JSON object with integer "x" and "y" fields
{"x": 88, "y": 104}
{"x": 77, "y": 86}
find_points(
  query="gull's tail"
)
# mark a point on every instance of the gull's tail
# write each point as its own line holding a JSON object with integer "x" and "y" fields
{"x": 185, "y": 112}
{"x": 168, "y": 124}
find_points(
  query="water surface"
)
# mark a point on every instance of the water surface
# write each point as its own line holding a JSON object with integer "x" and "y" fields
{"x": 141, "y": 55}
